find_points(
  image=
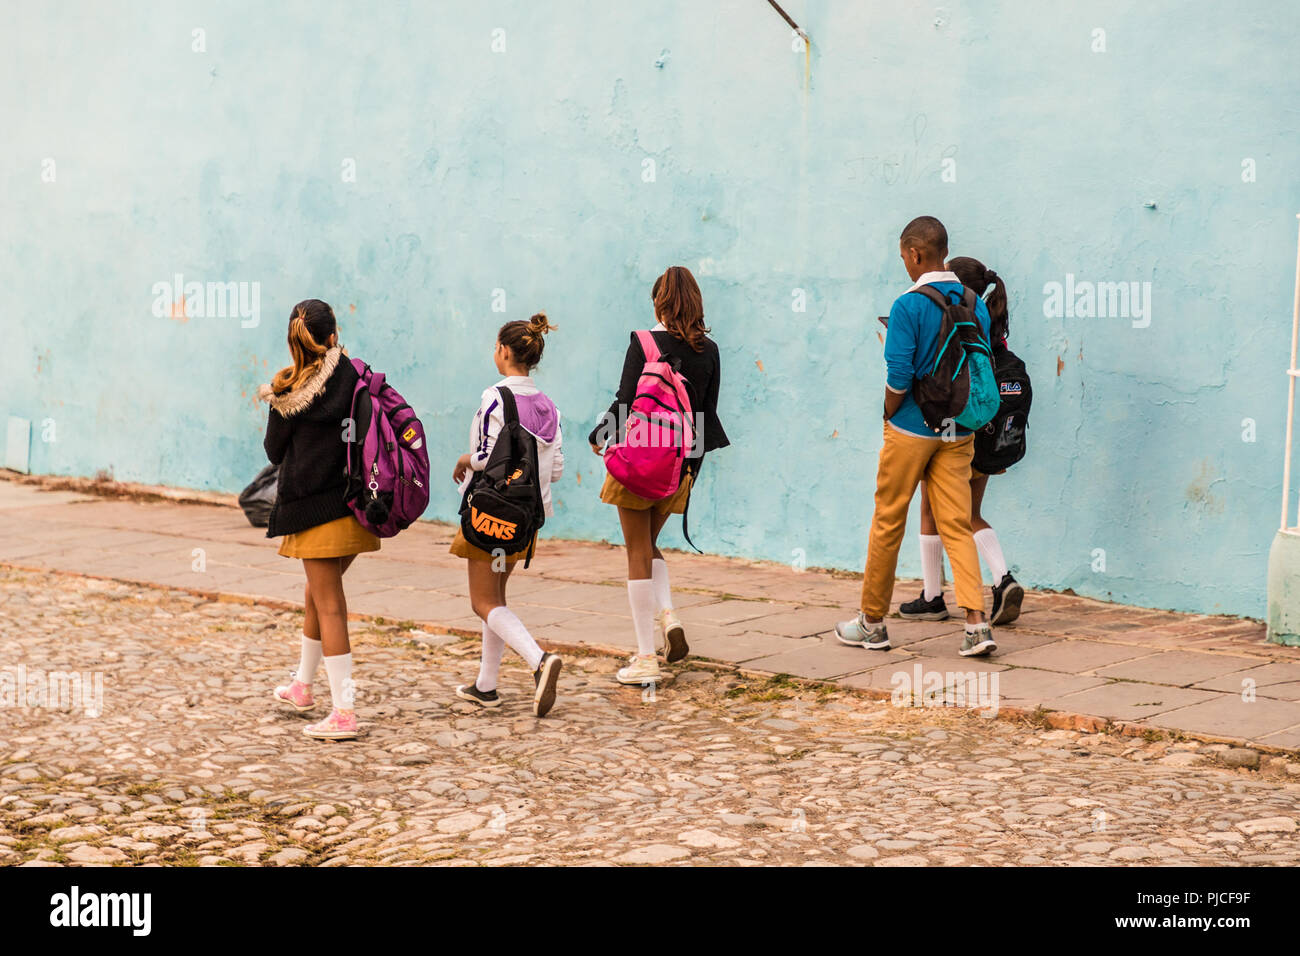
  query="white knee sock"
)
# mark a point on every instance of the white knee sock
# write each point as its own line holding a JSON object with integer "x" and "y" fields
{"x": 987, "y": 543}
{"x": 510, "y": 629}
{"x": 339, "y": 669}
{"x": 309, "y": 662}
{"x": 663, "y": 591}
{"x": 490, "y": 666}
{"x": 641, "y": 598}
{"x": 932, "y": 565}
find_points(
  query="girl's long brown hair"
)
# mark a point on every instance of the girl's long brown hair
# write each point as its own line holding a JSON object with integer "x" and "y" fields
{"x": 679, "y": 305}
{"x": 311, "y": 323}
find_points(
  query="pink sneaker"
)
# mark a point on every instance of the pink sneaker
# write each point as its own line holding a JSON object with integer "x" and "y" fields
{"x": 339, "y": 725}
{"x": 297, "y": 695}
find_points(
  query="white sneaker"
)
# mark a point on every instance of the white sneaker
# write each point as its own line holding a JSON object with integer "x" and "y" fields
{"x": 675, "y": 646}
{"x": 639, "y": 670}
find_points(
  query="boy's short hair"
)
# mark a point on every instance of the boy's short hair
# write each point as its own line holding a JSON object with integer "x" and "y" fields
{"x": 926, "y": 232}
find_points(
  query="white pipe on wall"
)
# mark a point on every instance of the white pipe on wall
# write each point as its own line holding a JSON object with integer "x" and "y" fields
{"x": 1291, "y": 374}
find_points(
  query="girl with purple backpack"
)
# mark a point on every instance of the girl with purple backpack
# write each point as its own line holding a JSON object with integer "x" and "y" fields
{"x": 518, "y": 351}
{"x": 311, "y": 400}
{"x": 680, "y": 340}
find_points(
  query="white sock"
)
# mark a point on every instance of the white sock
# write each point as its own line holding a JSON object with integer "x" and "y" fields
{"x": 987, "y": 543}
{"x": 641, "y": 598}
{"x": 339, "y": 669}
{"x": 932, "y": 565}
{"x": 507, "y": 626}
{"x": 490, "y": 666}
{"x": 309, "y": 662}
{"x": 663, "y": 590}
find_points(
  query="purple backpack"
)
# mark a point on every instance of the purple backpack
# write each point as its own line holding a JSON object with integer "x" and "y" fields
{"x": 388, "y": 463}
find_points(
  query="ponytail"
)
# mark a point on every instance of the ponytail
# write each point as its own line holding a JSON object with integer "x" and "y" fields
{"x": 980, "y": 279}
{"x": 310, "y": 326}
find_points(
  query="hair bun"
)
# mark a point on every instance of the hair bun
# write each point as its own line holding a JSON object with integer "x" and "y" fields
{"x": 539, "y": 325}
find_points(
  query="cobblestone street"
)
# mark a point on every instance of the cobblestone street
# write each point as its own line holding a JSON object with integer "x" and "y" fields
{"x": 186, "y": 760}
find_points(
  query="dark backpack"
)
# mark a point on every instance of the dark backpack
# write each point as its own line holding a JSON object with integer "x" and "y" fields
{"x": 1001, "y": 443}
{"x": 961, "y": 387}
{"x": 259, "y": 496}
{"x": 502, "y": 509}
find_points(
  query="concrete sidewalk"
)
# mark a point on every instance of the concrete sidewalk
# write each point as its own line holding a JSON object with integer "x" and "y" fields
{"x": 1088, "y": 664}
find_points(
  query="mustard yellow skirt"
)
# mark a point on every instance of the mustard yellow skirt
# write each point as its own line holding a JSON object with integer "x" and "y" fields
{"x": 463, "y": 549}
{"x": 333, "y": 539}
{"x": 612, "y": 492}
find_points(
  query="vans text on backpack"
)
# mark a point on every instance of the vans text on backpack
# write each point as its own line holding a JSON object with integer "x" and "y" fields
{"x": 502, "y": 509}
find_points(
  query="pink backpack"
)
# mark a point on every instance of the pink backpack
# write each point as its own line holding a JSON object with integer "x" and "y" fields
{"x": 660, "y": 430}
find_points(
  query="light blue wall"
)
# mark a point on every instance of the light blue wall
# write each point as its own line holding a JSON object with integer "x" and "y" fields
{"x": 522, "y": 170}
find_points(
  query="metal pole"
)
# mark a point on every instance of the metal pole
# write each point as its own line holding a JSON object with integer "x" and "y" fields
{"x": 794, "y": 26}
{"x": 1292, "y": 372}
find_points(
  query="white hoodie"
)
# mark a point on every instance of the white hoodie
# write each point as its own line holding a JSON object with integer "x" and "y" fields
{"x": 540, "y": 419}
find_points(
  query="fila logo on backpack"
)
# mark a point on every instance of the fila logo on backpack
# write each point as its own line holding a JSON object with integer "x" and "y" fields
{"x": 1003, "y": 441}
{"x": 502, "y": 510}
{"x": 387, "y": 461}
{"x": 660, "y": 429}
{"x": 961, "y": 387}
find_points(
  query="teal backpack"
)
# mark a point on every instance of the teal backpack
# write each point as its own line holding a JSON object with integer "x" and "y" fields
{"x": 962, "y": 386}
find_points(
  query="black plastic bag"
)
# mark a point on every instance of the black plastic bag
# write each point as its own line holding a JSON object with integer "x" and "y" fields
{"x": 259, "y": 496}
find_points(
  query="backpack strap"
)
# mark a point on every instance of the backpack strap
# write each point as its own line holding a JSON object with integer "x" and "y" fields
{"x": 509, "y": 410}
{"x": 933, "y": 294}
{"x": 648, "y": 345}
{"x": 687, "y": 509}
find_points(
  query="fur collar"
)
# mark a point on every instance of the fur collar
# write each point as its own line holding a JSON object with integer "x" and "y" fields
{"x": 300, "y": 398}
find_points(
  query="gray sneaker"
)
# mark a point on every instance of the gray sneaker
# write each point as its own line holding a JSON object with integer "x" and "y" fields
{"x": 978, "y": 642}
{"x": 858, "y": 633}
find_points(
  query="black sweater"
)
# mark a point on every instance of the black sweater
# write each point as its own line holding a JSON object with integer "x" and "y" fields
{"x": 702, "y": 371}
{"x": 304, "y": 436}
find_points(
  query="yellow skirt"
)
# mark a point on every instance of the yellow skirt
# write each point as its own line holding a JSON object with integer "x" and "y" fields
{"x": 333, "y": 539}
{"x": 463, "y": 549}
{"x": 612, "y": 492}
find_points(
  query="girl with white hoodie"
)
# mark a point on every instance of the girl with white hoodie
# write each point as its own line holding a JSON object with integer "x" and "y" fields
{"x": 518, "y": 351}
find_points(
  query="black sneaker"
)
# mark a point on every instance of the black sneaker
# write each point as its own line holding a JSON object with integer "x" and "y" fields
{"x": 1007, "y": 595}
{"x": 484, "y": 698}
{"x": 545, "y": 678}
{"x": 923, "y": 610}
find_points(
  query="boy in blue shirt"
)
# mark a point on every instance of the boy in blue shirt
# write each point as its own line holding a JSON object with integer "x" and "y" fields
{"x": 913, "y": 452}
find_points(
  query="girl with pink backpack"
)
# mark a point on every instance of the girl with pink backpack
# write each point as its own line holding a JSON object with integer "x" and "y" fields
{"x": 654, "y": 438}
{"x": 310, "y": 401}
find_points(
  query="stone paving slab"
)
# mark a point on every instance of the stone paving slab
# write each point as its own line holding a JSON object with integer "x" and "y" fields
{"x": 1179, "y": 668}
{"x": 1227, "y": 715}
{"x": 1029, "y": 688}
{"x": 1064, "y": 652}
{"x": 1073, "y": 657}
{"x": 820, "y": 658}
{"x": 1130, "y": 701}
